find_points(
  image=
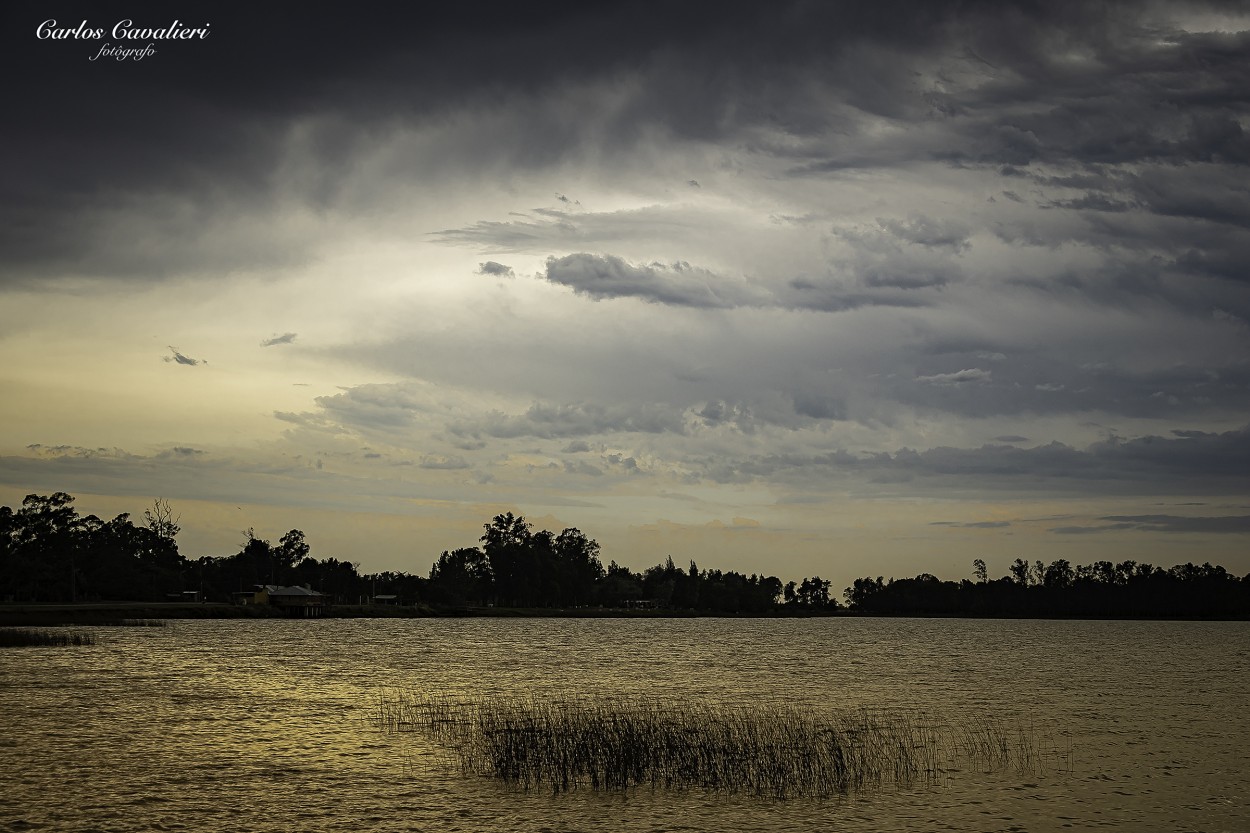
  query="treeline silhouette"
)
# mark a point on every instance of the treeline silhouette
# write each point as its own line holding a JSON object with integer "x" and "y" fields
{"x": 517, "y": 567}
{"x": 1100, "y": 590}
{"x": 49, "y": 553}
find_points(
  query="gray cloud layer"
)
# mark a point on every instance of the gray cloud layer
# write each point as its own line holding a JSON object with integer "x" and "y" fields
{"x": 1190, "y": 463}
{"x": 1090, "y": 108}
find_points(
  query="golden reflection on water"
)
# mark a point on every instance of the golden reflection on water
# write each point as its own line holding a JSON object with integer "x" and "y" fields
{"x": 264, "y": 725}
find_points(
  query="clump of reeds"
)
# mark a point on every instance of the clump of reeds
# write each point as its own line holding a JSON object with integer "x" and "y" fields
{"x": 776, "y": 751}
{"x": 22, "y": 637}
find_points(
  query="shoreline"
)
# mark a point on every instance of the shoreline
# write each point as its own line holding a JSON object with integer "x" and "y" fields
{"x": 122, "y": 613}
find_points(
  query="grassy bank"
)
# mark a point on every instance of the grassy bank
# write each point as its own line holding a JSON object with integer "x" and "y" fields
{"x": 769, "y": 751}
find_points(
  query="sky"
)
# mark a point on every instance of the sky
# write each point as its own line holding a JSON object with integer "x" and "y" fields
{"x": 793, "y": 288}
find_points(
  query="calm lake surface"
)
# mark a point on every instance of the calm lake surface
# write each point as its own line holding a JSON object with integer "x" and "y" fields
{"x": 262, "y": 725}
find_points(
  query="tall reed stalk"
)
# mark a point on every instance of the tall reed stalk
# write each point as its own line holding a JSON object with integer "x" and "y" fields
{"x": 777, "y": 751}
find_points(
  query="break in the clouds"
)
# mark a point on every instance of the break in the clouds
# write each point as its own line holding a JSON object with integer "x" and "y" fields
{"x": 712, "y": 261}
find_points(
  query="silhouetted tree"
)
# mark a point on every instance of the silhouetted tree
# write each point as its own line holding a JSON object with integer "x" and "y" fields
{"x": 461, "y": 576}
{"x": 507, "y": 543}
{"x": 578, "y": 566}
{"x": 619, "y": 585}
{"x": 160, "y": 520}
{"x": 862, "y": 590}
{"x": 49, "y": 553}
{"x": 291, "y": 550}
{"x": 49, "y": 533}
{"x": 1059, "y": 575}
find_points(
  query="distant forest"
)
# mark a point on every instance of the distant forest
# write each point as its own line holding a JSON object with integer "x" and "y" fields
{"x": 50, "y": 553}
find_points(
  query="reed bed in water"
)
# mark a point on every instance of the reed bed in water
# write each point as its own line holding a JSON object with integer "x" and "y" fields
{"x": 23, "y": 637}
{"x": 767, "y": 750}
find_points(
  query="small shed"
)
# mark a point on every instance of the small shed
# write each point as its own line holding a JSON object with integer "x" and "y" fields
{"x": 294, "y": 601}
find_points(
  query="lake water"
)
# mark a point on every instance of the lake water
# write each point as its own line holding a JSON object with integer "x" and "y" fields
{"x": 262, "y": 725}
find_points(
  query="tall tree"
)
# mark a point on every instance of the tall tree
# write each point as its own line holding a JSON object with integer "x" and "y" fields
{"x": 507, "y": 543}
{"x": 461, "y": 576}
{"x": 578, "y": 565}
{"x": 291, "y": 549}
{"x": 48, "y": 536}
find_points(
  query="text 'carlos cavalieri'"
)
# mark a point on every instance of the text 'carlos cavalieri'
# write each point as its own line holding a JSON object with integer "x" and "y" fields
{"x": 124, "y": 31}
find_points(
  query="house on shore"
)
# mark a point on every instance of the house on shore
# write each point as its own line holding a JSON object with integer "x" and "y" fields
{"x": 302, "y": 602}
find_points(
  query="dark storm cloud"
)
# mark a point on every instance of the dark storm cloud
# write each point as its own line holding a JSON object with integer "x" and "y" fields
{"x": 205, "y": 125}
{"x": 285, "y": 338}
{"x": 211, "y": 118}
{"x": 1052, "y": 382}
{"x": 1133, "y": 94}
{"x": 1165, "y": 463}
{"x": 1191, "y": 462}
